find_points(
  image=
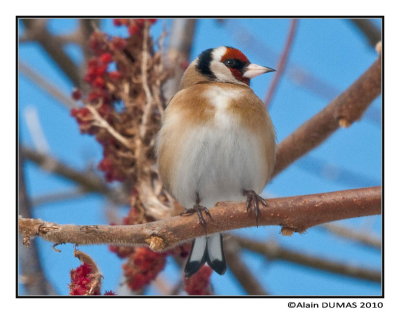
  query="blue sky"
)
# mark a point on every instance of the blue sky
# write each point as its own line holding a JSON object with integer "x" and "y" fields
{"x": 332, "y": 50}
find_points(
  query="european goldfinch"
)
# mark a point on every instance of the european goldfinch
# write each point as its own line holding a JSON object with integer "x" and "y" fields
{"x": 216, "y": 143}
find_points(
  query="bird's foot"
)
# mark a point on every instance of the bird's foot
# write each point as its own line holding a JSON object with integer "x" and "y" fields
{"x": 253, "y": 202}
{"x": 197, "y": 208}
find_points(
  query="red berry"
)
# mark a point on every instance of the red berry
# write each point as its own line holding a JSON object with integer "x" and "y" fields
{"x": 199, "y": 283}
{"x": 106, "y": 58}
{"x": 81, "y": 278}
{"x": 117, "y": 22}
{"x": 118, "y": 43}
{"x": 99, "y": 82}
{"x": 133, "y": 29}
{"x": 115, "y": 75}
{"x": 100, "y": 70}
{"x": 76, "y": 94}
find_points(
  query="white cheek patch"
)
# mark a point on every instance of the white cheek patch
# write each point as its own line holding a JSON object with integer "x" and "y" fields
{"x": 221, "y": 72}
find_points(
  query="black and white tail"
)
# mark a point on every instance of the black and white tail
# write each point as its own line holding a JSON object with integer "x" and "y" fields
{"x": 206, "y": 249}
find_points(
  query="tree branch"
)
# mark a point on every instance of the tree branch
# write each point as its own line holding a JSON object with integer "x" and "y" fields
{"x": 240, "y": 270}
{"x": 363, "y": 238}
{"x": 294, "y": 214}
{"x": 33, "y": 278}
{"x": 53, "y": 45}
{"x": 371, "y": 33}
{"x": 341, "y": 112}
{"x": 180, "y": 46}
{"x": 282, "y": 63}
{"x": 273, "y": 251}
{"x": 44, "y": 84}
{"x": 88, "y": 181}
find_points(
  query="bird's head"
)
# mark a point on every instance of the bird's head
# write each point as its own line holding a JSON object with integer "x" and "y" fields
{"x": 223, "y": 64}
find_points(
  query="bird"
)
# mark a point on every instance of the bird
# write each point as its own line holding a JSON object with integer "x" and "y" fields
{"x": 216, "y": 143}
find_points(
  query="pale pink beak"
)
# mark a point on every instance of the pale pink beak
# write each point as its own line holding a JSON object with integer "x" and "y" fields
{"x": 253, "y": 70}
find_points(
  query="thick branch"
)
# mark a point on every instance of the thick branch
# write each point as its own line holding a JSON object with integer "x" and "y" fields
{"x": 292, "y": 213}
{"x": 371, "y": 33}
{"x": 53, "y": 45}
{"x": 180, "y": 46}
{"x": 341, "y": 112}
{"x": 273, "y": 251}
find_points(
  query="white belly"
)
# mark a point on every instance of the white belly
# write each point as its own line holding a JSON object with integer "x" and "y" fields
{"x": 218, "y": 163}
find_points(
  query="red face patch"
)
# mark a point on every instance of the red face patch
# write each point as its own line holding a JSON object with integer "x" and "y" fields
{"x": 237, "y": 71}
{"x": 232, "y": 53}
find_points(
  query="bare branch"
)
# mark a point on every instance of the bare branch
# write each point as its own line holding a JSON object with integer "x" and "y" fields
{"x": 294, "y": 214}
{"x": 53, "y": 45}
{"x": 32, "y": 275}
{"x": 274, "y": 251}
{"x": 368, "y": 29}
{"x": 341, "y": 112}
{"x": 46, "y": 85}
{"x": 88, "y": 181}
{"x": 353, "y": 235}
{"x": 240, "y": 270}
{"x": 180, "y": 46}
{"x": 58, "y": 196}
{"x": 102, "y": 123}
{"x": 282, "y": 63}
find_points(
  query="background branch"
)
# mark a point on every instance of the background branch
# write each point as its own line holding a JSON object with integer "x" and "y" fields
{"x": 341, "y": 112}
{"x": 275, "y": 252}
{"x": 48, "y": 87}
{"x": 282, "y": 63}
{"x": 356, "y": 236}
{"x": 36, "y": 30}
{"x": 180, "y": 46}
{"x": 32, "y": 275}
{"x": 369, "y": 30}
{"x": 64, "y": 195}
{"x": 240, "y": 270}
{"x": 87, "y": 180}
{"x": 292, "y": 213}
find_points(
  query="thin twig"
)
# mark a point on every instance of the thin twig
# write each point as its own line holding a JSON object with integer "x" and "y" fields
{"x": 332, "y": 172}
{"x": 353, "y": 235}
{"x": 295, "y": 72}
{"x": 36, "y": 130}
{"x": 45, "y": 84}
{"x": 102, "y": 123}
{"x": 294, "y": 214}
{"x": 275, "y": 252}
{"x": 347, "y": 108}
{"x": 58, "y": 196}
{"x": 282, "y": 63}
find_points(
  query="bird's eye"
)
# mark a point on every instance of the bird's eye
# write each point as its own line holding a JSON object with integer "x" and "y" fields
{"x": 231, "y": 63}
